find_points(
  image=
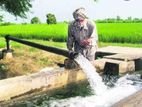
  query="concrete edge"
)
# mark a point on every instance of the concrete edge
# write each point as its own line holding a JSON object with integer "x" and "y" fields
{"x": 16, "y": 86}
{"x": 134, "y": 100}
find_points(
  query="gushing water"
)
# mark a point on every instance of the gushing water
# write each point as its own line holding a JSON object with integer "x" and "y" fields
{"x": 93, "y": 77}
{"x": 103, "y": 97}
{"x": 124, "y": 87}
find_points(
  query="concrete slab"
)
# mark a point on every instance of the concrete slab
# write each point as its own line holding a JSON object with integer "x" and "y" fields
{"x": 100, "y": 63}
{"x": 123, "y": 66}
{"x": 124, "y": 57}
{"x": 120, "y": 50}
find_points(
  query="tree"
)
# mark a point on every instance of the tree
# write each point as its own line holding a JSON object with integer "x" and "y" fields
{"x": 51, "y": 19}
{"x": 129, "y": 18}
{"x": 118, "y": 18}
{"x": 35, "y": 20}
{"x": 16, "y": 7}
{"x": 136, "y": 20}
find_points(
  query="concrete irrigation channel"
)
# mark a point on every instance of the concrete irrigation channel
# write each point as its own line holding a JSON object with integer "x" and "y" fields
{"x": 112, "y": 60}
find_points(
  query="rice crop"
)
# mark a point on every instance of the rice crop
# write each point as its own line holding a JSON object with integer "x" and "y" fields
{"x": 108, "y": 32}
{"x": 120, "y": 32}
{"x": 55, "y": 32}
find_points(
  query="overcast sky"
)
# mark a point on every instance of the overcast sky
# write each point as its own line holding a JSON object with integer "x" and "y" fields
{"x": 63, "y": 9}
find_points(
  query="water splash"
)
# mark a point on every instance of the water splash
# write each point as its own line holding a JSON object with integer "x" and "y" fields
{"x": 124, "y": 87}
{"x": 93, "y": 77}
{"x": 103, "y": 97}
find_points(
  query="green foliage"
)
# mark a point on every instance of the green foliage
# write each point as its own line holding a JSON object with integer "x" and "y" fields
{"x": 35, "y": 20}
{"x": 119, "y": 20}
{"x": 51, "y": 19}
{"x": 129, "y": 18}
{"x": 16, "y": 7}
{"x": 7, "y": 23}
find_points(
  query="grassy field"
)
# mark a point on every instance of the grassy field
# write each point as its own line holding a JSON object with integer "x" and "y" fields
{"x": 56, "y": 32}
{"x": 120, "y": 32}
{"x": 108, "y": 32}
{"x": 44, "y": 42}
{"x": 63, "y": 44}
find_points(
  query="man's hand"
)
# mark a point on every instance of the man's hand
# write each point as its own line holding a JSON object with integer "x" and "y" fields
{"x": 72, "y": 54}
{"x": 86, "y": 42}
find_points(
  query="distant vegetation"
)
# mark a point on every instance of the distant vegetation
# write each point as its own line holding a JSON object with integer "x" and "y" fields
{"x": 118, "y": 19}
{"x": 35, "y": 20}
{"x": 51, "y": 19}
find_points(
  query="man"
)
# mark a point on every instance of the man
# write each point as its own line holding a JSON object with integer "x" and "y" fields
{"x": 82, "y": 35}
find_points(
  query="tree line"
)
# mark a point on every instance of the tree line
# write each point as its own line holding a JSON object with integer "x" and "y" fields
{"x": 50, "y": 19}
{"x": 118, "y": 19}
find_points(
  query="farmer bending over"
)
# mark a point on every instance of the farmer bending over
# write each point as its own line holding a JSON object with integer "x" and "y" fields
{"x": 82, "y": 35}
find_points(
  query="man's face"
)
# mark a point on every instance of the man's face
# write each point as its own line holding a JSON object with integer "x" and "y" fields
{"x": 80, "y": 20}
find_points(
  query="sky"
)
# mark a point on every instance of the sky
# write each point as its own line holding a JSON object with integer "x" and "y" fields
{"x": 63, "y": 9}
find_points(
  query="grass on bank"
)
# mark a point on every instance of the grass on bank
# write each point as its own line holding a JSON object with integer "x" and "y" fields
{"x": 63, "y": 44}
{"x": 28, "y": 60}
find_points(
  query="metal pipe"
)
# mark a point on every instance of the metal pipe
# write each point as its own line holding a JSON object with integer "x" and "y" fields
{"x": 7, "y": 43}
{"x": 42, "y": 47}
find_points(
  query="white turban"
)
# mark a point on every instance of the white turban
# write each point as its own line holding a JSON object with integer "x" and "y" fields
{"x": 79, "y": 13}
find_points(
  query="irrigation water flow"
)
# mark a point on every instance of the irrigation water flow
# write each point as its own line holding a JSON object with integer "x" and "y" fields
{"x": 103, "y": 96}
{"x": 93, "y": 77}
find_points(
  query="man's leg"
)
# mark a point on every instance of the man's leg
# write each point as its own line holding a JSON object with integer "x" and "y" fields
{"x": 90, "y": 53}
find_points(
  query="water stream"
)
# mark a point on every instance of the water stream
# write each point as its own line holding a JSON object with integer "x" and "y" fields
{"x": 102, "y": 95}
{"x": 124, "y": 87}
{"x": 93, "y": 77}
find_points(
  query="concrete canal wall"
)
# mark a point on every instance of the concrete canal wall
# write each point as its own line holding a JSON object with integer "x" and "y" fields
{"x": 50, "y": 79}
{"x": 134, "y": 100}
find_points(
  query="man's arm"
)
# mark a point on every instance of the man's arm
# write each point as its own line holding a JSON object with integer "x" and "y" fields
{"x": 94, "y": 34}
{"x": 70, "y": 39}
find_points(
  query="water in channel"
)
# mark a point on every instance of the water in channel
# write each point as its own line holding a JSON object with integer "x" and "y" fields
{"x": 100, "y": 95}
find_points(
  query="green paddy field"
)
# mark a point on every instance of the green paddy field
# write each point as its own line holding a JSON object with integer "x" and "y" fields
{"x": 108, "y": 32}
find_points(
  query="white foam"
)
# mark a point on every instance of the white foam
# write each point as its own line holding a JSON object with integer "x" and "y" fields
{"x": 93, "y": 77}
{"x": 123, "y": 88}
